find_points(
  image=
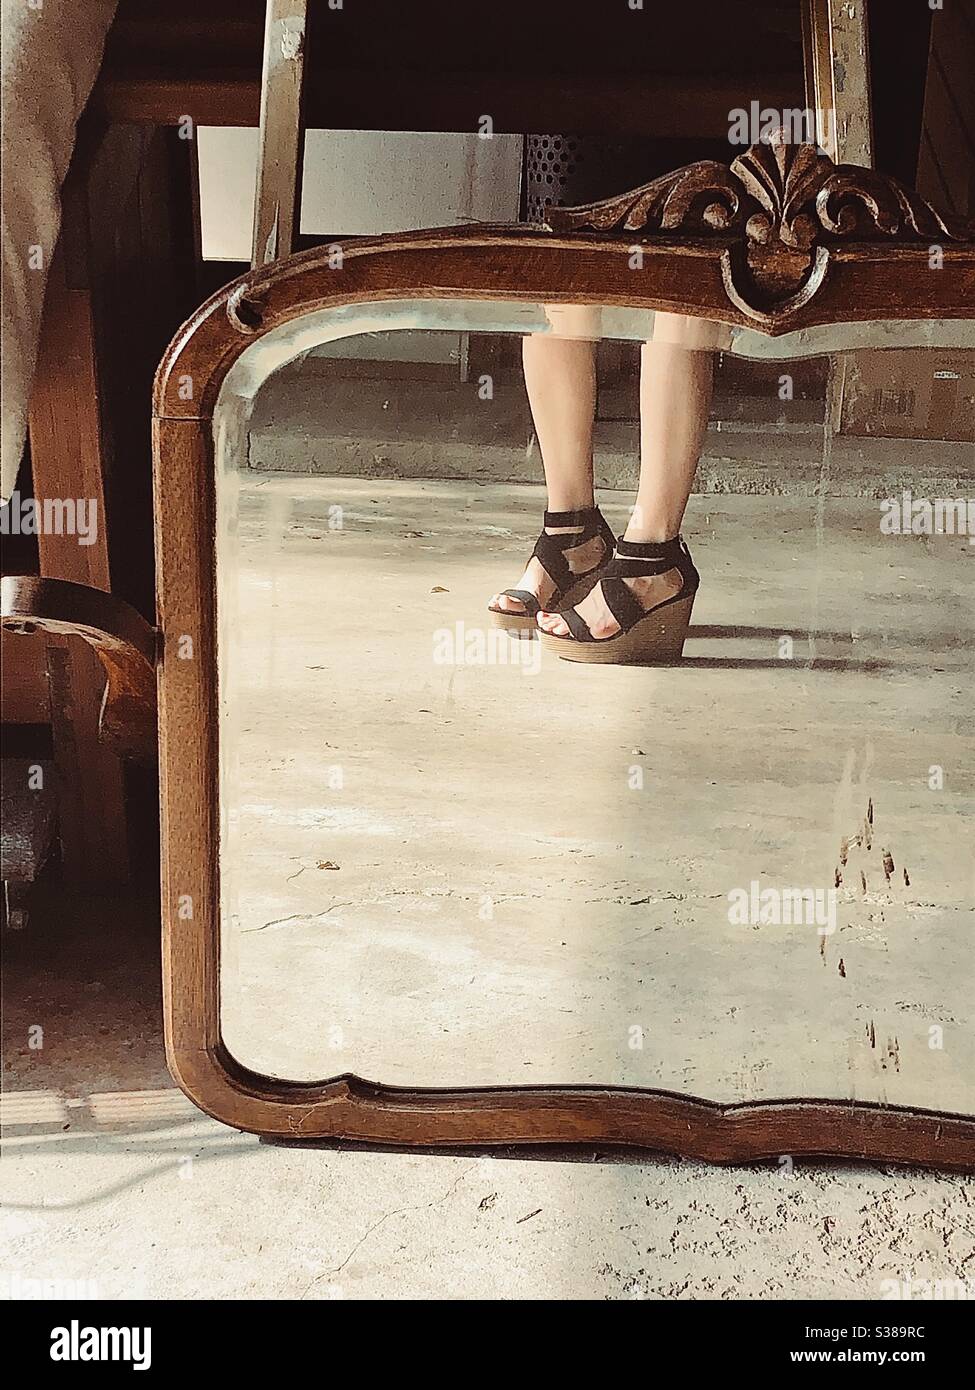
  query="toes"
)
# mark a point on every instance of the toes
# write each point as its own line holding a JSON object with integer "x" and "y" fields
{"x": 506, "y": 604}
{"x": 553, "y": 624}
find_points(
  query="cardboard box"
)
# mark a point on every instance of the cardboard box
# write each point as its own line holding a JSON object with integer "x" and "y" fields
{"x": 922, "y": 393}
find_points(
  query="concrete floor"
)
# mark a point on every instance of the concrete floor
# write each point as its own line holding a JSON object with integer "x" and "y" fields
{"x": 754, "y": 765}
{"x": 114, "y": 1185}
{"x": 488, "y": 898}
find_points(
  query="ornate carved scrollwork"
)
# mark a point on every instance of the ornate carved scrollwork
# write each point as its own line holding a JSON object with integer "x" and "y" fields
{"x": 780, "y": 207}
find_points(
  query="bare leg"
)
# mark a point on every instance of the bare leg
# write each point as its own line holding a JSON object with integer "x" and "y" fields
{"x": 560, "y": 376}
{"x": 675, "y": 397}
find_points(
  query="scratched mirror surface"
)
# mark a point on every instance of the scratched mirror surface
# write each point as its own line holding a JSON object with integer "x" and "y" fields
{"x": 452, "y": 857}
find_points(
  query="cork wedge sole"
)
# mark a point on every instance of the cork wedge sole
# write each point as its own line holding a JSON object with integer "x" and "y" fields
{"x": 518, "y": 624}
{"x": 656, "y": 640}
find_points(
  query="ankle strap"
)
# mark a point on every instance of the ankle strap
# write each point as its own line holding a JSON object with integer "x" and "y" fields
{"x": 631, "y": 559}
{"x": 579, "y": 518}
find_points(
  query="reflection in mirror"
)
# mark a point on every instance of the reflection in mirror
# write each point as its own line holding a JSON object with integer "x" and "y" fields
{"x": 451, "y": 858}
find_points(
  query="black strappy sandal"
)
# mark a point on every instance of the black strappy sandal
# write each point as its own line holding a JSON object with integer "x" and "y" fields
{"x": 550, "y": 552}
{"x": 647, "y": 636}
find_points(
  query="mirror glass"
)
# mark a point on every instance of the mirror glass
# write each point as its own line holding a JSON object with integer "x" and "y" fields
{"x": 451, "y": 857}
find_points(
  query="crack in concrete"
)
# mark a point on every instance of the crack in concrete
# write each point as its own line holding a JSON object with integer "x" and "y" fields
{"x": 398, "y": 1211}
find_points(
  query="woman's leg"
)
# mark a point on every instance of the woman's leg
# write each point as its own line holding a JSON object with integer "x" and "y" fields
{"x": 675, "y": 398}
{"x": 560, "y": 376}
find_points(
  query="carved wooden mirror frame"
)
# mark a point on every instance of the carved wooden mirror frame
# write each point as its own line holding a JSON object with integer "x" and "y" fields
{"x": 782, "y": 240}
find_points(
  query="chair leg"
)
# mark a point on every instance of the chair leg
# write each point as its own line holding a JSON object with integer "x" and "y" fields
{"x": 277, "y": 197}
{"x": 67, "y": 462}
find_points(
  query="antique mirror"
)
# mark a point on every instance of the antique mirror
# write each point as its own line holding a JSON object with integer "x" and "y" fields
{"x": 428, "y": 882}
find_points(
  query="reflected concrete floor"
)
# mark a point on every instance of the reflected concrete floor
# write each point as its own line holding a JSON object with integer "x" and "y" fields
{"x": 533, "y": 861}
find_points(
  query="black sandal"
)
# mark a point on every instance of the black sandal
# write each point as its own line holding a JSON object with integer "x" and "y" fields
{"x": 647, "y": 636}
{"x": 550, "y": 552}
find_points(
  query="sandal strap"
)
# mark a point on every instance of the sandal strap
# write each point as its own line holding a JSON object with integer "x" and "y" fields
{"x": 550, "y": 550}
{"x": 635, "y": 559}
{"x": 622, "y": 602}
{"x": 525, "y": 596}
{"x": 577, "y": 518}
{"x": 632, "y": 560}
{"x": 576, "y": 624}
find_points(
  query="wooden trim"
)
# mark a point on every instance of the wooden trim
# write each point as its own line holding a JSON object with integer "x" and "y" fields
{"x": 782, "y": 239}
{"x": 349, "y": 98}
{"x": 118, "y": 635}
{"x": 861, "y": 280}
{"x": 188, "y": 726}
{"x": 349, "y": 1107}
{"x": 857, "y": 284}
